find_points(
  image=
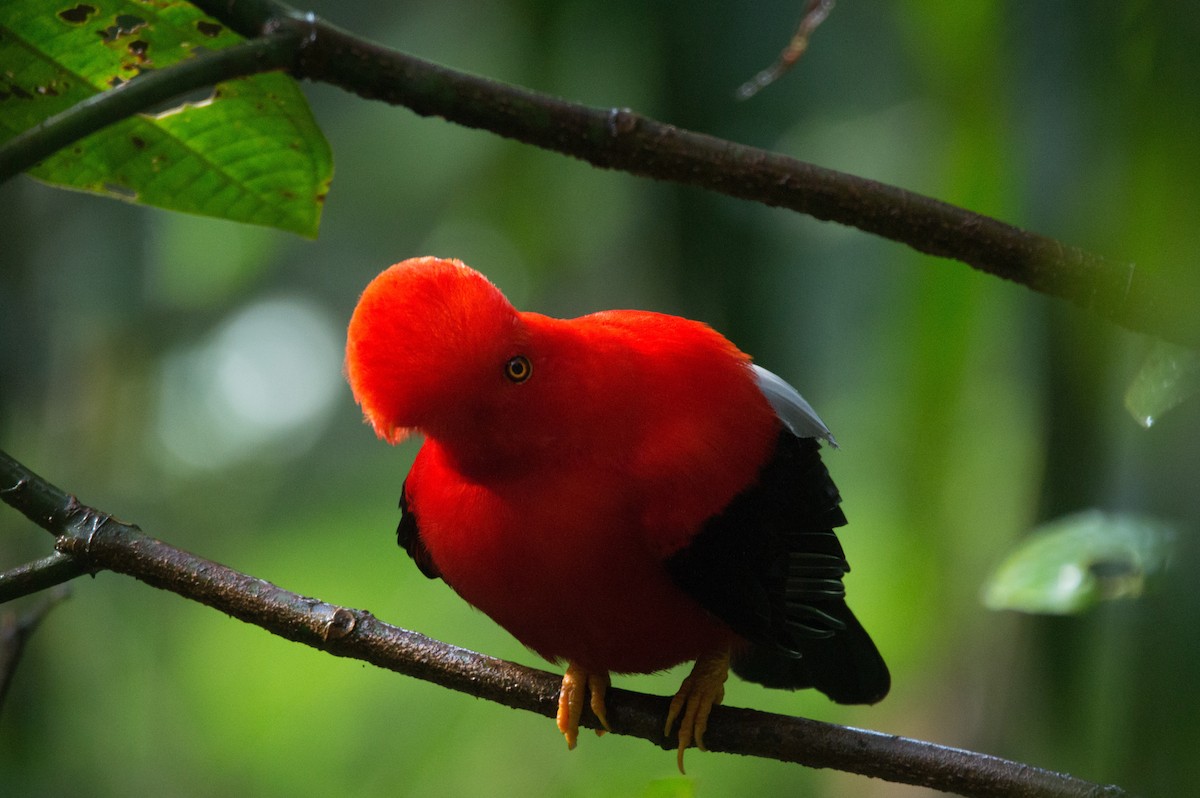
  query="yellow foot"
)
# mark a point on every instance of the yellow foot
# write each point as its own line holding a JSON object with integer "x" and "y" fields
{"x": 577, "y": 683}
{"x": 699, "y": 693}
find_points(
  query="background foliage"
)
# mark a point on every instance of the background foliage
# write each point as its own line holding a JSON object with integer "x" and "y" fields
{"x": 185, "y": 373}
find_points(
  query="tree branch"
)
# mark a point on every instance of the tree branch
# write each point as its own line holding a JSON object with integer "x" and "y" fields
{"x": 101, "y": 542}
{"x": 621, "y": 139}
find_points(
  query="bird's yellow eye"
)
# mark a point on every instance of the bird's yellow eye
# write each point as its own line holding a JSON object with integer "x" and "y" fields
{"x": 518, "y": 369}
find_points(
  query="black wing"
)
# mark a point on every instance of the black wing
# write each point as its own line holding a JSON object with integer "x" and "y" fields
{"x": 771, "y": 567}
{"x": 408, "y": 536}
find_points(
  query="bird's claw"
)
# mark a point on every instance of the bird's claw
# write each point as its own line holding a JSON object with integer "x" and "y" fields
{"x": 703, "y": 689}
{"x": 576, "y": 684}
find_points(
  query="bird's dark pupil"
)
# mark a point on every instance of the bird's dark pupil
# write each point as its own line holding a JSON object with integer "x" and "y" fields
{"x": 518, "y": 369}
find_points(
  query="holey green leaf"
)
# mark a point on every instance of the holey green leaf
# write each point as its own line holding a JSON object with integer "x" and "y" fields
{"x": 250, "y": 151}
{"x": 1068, "y": 565}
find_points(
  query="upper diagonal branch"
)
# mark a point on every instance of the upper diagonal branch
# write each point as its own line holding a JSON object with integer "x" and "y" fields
{"x": 623, "y": 140}
{"x": 101, "y": 542}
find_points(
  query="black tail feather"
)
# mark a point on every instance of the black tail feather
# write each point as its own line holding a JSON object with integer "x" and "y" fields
{"x": 845, "y": 666}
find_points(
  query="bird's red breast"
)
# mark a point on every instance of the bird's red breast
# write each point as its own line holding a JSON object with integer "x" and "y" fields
{"x": 551, "y": 501}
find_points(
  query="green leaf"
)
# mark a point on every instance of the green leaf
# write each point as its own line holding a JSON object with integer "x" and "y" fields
{"x": 1068, "y": 565}
{"x": 1169, "y": 375}
{"x": 250, "y": 152}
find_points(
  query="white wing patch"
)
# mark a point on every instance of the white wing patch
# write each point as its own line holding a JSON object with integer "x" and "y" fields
{"x": 796, "y": 414}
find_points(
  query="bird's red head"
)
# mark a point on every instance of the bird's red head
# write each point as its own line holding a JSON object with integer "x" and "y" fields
{"x": 428, "y": 338}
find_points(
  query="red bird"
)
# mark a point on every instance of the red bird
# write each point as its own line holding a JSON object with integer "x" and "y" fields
{"x": 624, "y": 491}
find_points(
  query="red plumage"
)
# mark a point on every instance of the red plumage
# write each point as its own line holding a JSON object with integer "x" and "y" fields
{"x": 566, "y": 462}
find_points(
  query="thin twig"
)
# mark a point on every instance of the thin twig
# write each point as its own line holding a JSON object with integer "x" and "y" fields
{"x": 36, "y": 576}
{"x": 814, "y": 15}
{"x": 28, "y": 148}
{"x": 15, "y": 631}
{"x": 103, "y": 542}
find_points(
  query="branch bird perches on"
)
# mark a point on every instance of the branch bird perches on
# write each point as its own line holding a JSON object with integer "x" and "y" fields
{"x": 98, "y": 541}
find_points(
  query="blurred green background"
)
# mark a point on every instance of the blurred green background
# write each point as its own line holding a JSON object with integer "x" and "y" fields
{"x": 184, "y": 373}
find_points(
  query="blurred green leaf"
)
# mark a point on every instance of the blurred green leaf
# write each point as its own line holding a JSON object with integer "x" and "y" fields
{"x": 1068, "y": 565}
{"x": 250, "y": 152}
{"x": 1169, "y": 375}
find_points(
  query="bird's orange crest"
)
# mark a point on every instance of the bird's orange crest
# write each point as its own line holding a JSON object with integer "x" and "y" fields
{"x": 426, "y": 333}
